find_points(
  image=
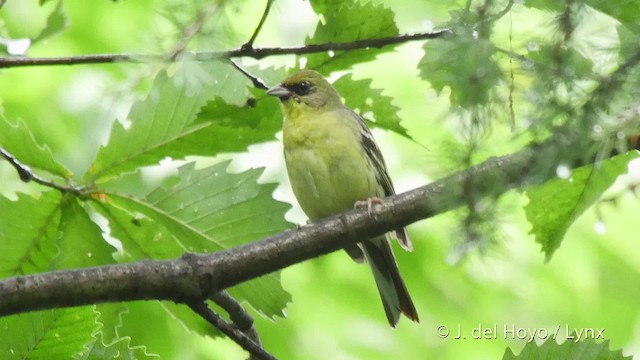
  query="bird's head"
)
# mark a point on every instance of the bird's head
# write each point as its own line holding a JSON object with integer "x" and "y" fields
{"x": 306, "y": 89}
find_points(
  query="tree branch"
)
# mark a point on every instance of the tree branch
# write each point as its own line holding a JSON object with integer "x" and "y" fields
{"x": 252, "y": 39}
{"x": 196, "y": 277}
{"x": 256, "y": 53}
{"x": 27, "y": 175}
{"x": 256, "y": 351}
{"x": 238, "y": 314}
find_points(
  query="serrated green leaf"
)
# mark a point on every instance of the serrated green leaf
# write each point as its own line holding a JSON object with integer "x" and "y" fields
{"x": 28, "y": 230}
{"x": 109, "y": 317}
{"x": 119, "y": 349}
{"x": 19, "y": 141}
{"x": 47, "y": 335}
{"x": 144, "y": 238}
{"x": 108, "y": 344}
{"x": 56, "y": 22}
{"x": 80, "y": 243}
{"x": 346, "y": 22}
{"x": 556, "y": 204}
{"x": 166, "y": 116}
{"x": 374, "y": 107}
{"x": 465, "y": 65}
{"x": 141, "y": 237}
{"x": 212, "y": 210}
{"x": 582, "y": 350}
{"x": 233, "y": 128}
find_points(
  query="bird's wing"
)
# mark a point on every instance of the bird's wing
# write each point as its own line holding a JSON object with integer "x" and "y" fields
{"x": 372, "y": 151}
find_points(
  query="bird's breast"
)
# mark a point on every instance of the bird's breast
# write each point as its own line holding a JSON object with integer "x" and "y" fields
{"x": 327, "y": 167}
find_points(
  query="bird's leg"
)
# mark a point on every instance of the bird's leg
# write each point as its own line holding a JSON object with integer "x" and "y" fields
{"x": 369, "y": 203}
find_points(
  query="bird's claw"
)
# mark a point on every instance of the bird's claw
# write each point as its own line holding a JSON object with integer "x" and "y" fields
{"x": 369, "y": 203}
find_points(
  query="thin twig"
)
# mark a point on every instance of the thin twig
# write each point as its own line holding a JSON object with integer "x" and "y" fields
{"x": 256, "y": 53}
{"x": 27, "y": 175}
{"x": 257, "y": 82}
{"x": 256, "y": 351}
{"x": 238, "y": 314}
{"x": 252, "y": 39}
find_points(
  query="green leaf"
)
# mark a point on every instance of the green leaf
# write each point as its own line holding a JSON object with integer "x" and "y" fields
{"x": 28, "y": 231}
{"x": 51, "y": 335}
{"x": 108, "y": 344}
{"x": 109, "y": 316}
{"x": 233, "y": 128}
{"x": 80, "y": 243}
{"x": 56, "y": 22}
{"x": 583, "y": 350}
{"x": 625, "y": 11}
{"x": 374, "y": 107}
{"x": 556, "y": 204}
{"x": 19, "y": 141}
{"x": 208, "y": 210}
{"x": 346, "y": 22}
{"x": 119, "y": 349}
{"x": 166, "y": 116}
{"x": 465, "y": 64}
{"x": 141, "y": 237}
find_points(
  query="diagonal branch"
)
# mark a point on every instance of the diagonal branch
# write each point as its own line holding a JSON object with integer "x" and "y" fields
{"x": 238, "y": 314}
{"x": 256, "y": 351}
{"x": 256, "y": 53}
{"x": 197, "y": 276}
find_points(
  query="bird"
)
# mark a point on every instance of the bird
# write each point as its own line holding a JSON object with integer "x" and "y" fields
{"x": 334, "y": 164}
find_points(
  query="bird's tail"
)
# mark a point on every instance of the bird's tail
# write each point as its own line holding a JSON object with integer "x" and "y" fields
{"x": 393, "y": 292}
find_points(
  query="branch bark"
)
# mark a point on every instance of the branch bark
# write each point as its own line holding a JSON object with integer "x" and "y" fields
{"x": 244, "y": 51}
{"x": 195, "y": 277}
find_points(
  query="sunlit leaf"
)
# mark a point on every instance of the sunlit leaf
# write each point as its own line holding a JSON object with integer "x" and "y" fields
{"x": 108, "y": 344}
{"x": 28, "y": 232}
{"x": 210, "y": 210}
{"x": 374, "y": 107}
{"x": 556, "y": 204}
{"x": 51, "y": 335}
{"x": 346, "y": 22}
{"x": 167, "y": 116}
{"x": 19, "y": 141}
{"x": 80, "y": 243}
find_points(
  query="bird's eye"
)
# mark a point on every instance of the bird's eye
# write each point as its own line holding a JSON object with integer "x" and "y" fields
{"x": 302, "y": 88}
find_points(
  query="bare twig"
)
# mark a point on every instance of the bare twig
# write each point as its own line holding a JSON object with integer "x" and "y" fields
{"x": 27, "y": 175}
{"x": 238, "y": 314}
{"x": 252, "y": 39}
{"x": 256, "y": 53}
{"x": 257, "y": 82}
{"x": 256, "y": 351}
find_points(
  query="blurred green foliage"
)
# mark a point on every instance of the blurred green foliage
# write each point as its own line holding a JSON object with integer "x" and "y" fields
{"x": 149, "y": 144}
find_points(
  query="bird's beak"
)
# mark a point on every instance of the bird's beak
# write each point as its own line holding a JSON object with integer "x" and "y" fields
{"x": 280, "y": 91}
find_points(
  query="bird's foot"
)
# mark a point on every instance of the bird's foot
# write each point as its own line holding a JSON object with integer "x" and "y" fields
{"x": 368, "y": 203}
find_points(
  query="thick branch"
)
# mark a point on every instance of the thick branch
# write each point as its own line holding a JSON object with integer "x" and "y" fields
{"x": 245, "y": 51}
{"x": 196, "y": 277}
